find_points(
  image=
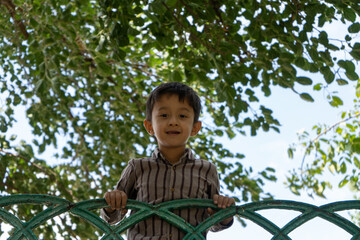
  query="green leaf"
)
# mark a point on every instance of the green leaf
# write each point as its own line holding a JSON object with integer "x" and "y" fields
{"x": 349, "y": 14}
{"x": 290, "y": 152}
{"x": 347, "y": 38}
{"x": 336, "y": 101}
{"x": 355, "y": 53}
{"x": 265, "y": 127}
{"x": 17, "y": 100}
{"x": 230, "y": 133}
{"x": 357, "y": 162}
{"x": 219, "y": 133}
{"x": 328, "y": 74}
{"x": 176, "y": 76}
{"x": 358, "y": 90}
{"x": 342, "y": 82}
{"x": 333, "y": 47}
{"x": 343, "y": 168}
{"x": 352, "y": 76}
{"x": 343, "y": 183}
{"x": 317, "y": 87}
{"x": 171, "y": 3}
{"x": 306, "y": 97}
{"x": 104, "y": 68}
{"x": 295, "y": 190}
{"x": 323, "y": 38}
{"x": 332, "y": 168}
{"x": 304, "y": 80}
{"x": 355, "y": 147}
{"x": 354, "y": 28}
{"x": 349, "y": 66}
{"x": 301, "y": 62}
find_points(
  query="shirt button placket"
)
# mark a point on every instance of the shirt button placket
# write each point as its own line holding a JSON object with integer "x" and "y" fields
{"x": 172, "y": 180}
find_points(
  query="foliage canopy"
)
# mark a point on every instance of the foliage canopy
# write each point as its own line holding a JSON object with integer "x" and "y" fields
{"x": 82, "y": 70}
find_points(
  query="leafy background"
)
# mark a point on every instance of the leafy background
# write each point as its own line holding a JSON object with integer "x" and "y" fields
{"x": 83, "y": 69}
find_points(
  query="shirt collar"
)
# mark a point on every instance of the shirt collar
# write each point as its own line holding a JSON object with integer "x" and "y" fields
{"x": 188, "y": 155}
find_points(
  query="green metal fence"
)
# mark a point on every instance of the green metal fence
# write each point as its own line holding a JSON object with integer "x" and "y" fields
{"x": 85, "y": 210}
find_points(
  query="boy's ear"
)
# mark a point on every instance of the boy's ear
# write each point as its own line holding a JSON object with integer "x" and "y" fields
{"x": 148, "y": 127}
{"x": 196, "y": 128}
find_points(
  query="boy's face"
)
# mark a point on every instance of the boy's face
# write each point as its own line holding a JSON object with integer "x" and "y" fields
{"x": 172, "y": 122}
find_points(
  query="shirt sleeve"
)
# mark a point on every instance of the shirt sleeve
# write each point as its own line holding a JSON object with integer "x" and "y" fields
{"x": 214, "y": 188}
{"x": 126, "y": 184}
{"x": 111, "y": 218}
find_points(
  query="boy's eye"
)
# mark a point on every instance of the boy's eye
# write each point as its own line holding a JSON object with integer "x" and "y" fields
{"x": 163, "y": 115}
{"x": 183, "y": 116}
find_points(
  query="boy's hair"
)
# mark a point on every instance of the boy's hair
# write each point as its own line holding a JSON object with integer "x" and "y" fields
{"x": 180, "y": 89}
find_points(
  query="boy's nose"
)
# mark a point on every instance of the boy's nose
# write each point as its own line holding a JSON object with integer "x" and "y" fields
{"x": 173, "y": 121}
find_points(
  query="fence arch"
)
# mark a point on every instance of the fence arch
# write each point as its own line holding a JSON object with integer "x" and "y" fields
{"x": 58, "y": 206}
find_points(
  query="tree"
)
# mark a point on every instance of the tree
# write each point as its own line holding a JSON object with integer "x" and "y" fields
{"x": 335, "y": 149}
{"x": 82, "y": 69}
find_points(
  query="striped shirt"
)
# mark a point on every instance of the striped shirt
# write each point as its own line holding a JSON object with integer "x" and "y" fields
{"x": 155, "y": 180}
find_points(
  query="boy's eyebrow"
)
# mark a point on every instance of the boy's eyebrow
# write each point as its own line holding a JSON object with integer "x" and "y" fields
{"x": 183, "y": 108}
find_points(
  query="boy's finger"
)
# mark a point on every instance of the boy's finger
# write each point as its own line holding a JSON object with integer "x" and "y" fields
{"x": 118, "y": 200}
{"x": 215, "y": 198}
{"x": 220, "y": 201}
{"x": 123, "y": 200}
{"x": 228, "y": 202}
{"x": 108, "y": 198}
{"x": 225, "y": 202}
{"x": 232, "y": 202}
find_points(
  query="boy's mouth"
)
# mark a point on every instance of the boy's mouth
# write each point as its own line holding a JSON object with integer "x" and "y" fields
{"x": 172, "y": 132}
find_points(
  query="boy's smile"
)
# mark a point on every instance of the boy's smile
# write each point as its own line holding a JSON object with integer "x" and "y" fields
{"x": 172, "y": 123}
{"x": 173, "y": 132}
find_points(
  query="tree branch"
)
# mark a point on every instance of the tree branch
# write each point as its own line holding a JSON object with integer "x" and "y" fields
{"x": 192, "y": 34}
{"x": 12, "y": 10}
{"x": 325, "y": 132}
{"x": 335, "y": 125}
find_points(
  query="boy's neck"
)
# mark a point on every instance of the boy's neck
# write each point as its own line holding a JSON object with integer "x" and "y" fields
{"x": 173, "y": 155}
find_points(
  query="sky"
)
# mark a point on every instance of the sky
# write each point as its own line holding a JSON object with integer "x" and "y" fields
{"x": 270, "y": 149}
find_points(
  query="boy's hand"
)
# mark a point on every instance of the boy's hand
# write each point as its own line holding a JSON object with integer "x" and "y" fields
{"x": 116, "y": 200}
{"x": 222, "y": 202}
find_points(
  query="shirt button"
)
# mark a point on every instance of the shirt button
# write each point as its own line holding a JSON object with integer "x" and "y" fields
{"x": 174, "y": 168}
{"x": 172, "y": 189}
{"x": 170, "y": 235}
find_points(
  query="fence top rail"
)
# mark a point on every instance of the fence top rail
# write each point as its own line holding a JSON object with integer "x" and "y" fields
{"x": 56, "y": 206}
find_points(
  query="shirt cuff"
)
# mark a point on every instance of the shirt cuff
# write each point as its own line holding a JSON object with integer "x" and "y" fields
{"x": 110, "y": 218}
{"x": 227, "y": 225}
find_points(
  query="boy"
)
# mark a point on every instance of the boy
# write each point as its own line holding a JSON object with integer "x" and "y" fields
{"x": 172, "y": 172}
